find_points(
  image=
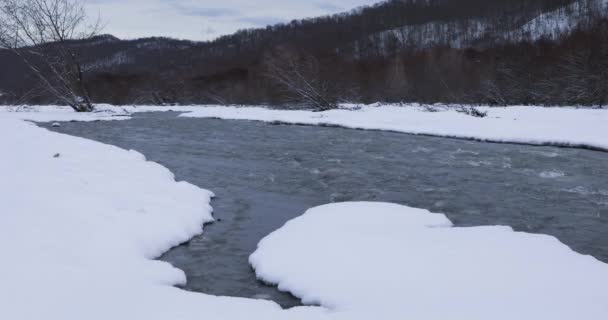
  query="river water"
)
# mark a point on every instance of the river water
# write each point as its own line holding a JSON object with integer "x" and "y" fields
{"x": 264, "y": 175}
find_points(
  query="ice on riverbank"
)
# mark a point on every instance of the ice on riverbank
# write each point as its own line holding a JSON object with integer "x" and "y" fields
{"x": 384, "y": 259}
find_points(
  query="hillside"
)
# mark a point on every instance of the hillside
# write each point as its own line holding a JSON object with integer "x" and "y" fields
{"x": 480, "y": 51}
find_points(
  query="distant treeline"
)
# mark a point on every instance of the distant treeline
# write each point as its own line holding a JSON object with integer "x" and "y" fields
{"x": 549, "y": 52}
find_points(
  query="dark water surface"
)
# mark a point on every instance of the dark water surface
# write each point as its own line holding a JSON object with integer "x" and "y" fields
{"x": 264, "y": 175}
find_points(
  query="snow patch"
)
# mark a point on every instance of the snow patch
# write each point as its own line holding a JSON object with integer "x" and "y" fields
{"x": 382, "y": 261}
{"x": 62, "y": 113}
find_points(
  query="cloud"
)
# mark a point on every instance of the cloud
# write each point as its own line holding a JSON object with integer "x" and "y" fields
{"x": 260, "y": 21}
{"x": 189, "y": 10}
{"x": 329, "y": 7}
{"x": 205, "y": 19}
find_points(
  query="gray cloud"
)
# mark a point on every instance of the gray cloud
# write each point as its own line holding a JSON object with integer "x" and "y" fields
{"x": 205, "y": 19}
{"x": 329, "y": 7}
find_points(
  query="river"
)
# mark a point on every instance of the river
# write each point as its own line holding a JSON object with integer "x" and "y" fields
{"x": 265, "y": 174}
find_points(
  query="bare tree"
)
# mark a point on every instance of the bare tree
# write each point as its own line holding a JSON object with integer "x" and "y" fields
{"x": 301, "y": 78}
{"x": 584, "y": 75}
{"x": 42, "y": 33}
{"x": 491, "y": 93}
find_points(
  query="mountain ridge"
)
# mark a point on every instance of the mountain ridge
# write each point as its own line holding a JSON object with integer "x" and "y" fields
{"x": 359, "y": 46}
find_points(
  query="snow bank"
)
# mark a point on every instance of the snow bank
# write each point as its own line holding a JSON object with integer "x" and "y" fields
{"x": 80, "y": 225}
{"x": 527, "y": 125}
{"x": 567, "y": 127}
{"x": 62, "y": 113}
{"x": 385, "y": 261}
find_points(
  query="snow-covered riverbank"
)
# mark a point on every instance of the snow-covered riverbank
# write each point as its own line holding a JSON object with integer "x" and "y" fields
{"x": 81, "y": 223}
{"x": 569, "y": 127}
{"x": 385, "y": 260}
{"x": 528, "y": 125}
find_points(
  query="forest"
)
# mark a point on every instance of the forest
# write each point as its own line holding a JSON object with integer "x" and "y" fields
{"x": 491, "y": 52}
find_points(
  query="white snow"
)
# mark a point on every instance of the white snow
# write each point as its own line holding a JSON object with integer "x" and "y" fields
{"x": 61, "y": 113}
{"x": 518, "y": 124}
{"x": 82, "y": 222}
{"x": 380, "y": 260}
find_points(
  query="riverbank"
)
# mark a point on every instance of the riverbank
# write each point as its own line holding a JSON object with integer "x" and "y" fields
{"x": 558, "y": 126}
{"x": 565, "y": 127}
{"x": 385, "y": 260}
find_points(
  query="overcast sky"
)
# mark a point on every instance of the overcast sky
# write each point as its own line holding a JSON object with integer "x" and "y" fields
{"x": 205, "y": 19}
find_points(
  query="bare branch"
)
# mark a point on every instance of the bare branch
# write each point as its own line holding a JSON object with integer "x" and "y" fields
{"x": 300, "y": 77}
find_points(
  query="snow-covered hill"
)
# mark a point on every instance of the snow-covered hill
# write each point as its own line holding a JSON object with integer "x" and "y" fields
{"x": 482, "y": 31}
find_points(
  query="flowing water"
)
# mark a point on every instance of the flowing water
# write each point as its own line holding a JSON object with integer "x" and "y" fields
{"x": 264, "y": 175}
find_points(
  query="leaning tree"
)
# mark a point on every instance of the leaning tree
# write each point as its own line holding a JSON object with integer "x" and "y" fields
{"x": 43, "y": 34}
{"x": 300, "y": 77}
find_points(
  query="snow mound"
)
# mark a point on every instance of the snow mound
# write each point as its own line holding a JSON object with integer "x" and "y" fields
{"x": 389, "y": 261}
